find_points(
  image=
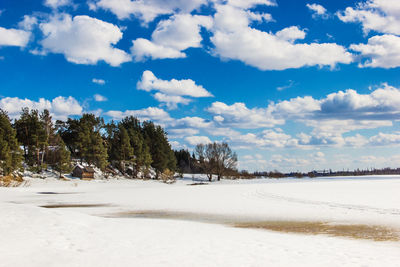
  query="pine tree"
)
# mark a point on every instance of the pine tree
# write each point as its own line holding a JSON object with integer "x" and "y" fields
{"x": 184, "y": 160}
{"x": 10, "y": 153}
{"x": 110, "y": 129}
{"x": 161, "y": 153}
{"x": 142, "y": 156}
{"x": 69, "y": 131}
{"x": 22, "y": 128}
{"x": 126, "y": 150}
{"x": 146, "y": 159}
{"x": 171, "y": 165}
{"x": 48, "y": 133}
{"x": 120, "y": 150}
{"x": 84, "y": 140}
{"x": 62, "y": 160}
{"x": 92, "y": 148}
{"x": 31, "y": 133}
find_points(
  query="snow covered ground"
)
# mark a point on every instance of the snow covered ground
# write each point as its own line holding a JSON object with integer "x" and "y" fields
{"x": 112, "y": 233}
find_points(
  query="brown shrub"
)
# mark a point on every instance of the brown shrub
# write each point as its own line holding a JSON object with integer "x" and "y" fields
{"x": 12, "y": 181}
{"x": 168, "y": 176}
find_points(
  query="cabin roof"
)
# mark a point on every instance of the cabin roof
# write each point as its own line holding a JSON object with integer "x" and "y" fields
{"x": 85, "y": 168}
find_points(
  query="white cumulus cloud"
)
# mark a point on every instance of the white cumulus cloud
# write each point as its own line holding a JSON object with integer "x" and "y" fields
{"x": 329, "y": 117}
{"x": 171, "y": 101}
{"x": 150, "y": 113}
{"x": 14, "y": 37}
{"x": 233, "y": 38}
{"x": 98, "y": 81}
{"x": 377, "y": 15}
{"x": 60, "y": 107}
{"x": 188, "y": 87}
{"x": 318, "y": 10}
{"x": 57, "y": 3}
{"x": 28, "y": 23}
{"x": 385, "y": 139}
{"x": 100, "y": 98}
{"x": 380, "y": 51}
{"x": 265, "y": 139}
{"x": 171, "y": 37}
{"x": 143, "y": 49}
{"x": 194, "y": 140}
{"x": 246, "y": 4}
{"x": 238, "y": 115}
{"x": 191, "y": 122}
{"x": 83, "y": 40}
{"x": 180, "y": 133}
{"x": 381, "y": 104}
{"x": 146, "y": 10}
{"x": 170, "y": 93}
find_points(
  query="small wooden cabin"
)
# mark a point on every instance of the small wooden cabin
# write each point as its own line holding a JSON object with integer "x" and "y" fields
{"x": 85, "y": 173}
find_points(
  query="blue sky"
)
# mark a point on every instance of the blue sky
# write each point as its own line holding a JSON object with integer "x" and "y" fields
{"x": 290, "y": 85}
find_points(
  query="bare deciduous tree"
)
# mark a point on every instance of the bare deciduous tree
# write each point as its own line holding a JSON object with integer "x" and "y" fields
{"x": 225, "y": 159}
{"x": 216, "y": 158}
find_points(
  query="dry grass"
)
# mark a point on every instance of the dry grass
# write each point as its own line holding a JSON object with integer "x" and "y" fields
{"x": 356, "y": 231}
{"x": 168, "y": 177}
{"x": 11, "y": 181}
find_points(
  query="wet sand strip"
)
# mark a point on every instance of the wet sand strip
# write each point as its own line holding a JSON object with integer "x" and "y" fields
{"x": 354, "y": 231}
{"x": 56, "y": 193}
{"x": 58, "y": 206}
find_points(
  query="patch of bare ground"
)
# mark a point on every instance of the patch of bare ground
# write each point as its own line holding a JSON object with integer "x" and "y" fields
{"x": 174, "y": 215}
{"x": 58, "y": 206}
{"x": 56, "y": 193}
{"x": 197, "y": 184}
{"x": 355, "y": 231}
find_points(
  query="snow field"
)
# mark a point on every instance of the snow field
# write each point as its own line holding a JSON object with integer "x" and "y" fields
{"x": 34, "y": 236}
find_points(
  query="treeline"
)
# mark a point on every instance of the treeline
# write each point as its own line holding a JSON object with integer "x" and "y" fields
{"x": 130, "y": 146}
{"x": 329, "y": 173}
{"x": 40, "y": 147}
{"x": 357, "y": 172}
{"x": 10, "y": 152}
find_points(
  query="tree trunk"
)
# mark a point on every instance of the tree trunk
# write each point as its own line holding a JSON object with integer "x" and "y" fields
{"x": 38, "y": 157}
{"x": 135, "y": 171}
{"x": 42, "y": 159}
{"x": 122, "y": 167}
{"x": 25, "y": 153}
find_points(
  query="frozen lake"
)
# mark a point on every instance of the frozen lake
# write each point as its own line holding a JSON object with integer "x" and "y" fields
{"x": 286, "y": 222}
